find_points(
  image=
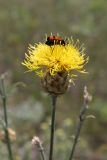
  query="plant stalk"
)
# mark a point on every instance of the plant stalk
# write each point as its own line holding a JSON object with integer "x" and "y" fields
{"x": 4, "y": 100}
{"x": 54, "y": 100}
{"x": 81, "y": 121}
{"x": 42, "y": 152}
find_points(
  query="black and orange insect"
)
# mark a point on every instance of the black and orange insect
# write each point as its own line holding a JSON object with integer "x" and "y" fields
{"x": 55, "y": 40}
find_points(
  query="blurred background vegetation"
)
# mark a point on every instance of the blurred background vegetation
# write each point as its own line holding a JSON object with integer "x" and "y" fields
{"x": 24, "y": 22}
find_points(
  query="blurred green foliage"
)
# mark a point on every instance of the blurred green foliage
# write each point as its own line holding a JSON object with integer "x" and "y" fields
{"x": 26, "y": 22}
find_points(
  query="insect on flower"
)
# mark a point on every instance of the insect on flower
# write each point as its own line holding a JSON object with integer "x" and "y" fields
{"x": 55, "y": 40}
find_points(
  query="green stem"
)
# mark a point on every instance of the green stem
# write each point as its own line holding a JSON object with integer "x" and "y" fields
{"x": 79, "y": 127}
{"x": 42, "y": 152}
{"x": 54, "y": 100}
{"x": 4, "y": 100}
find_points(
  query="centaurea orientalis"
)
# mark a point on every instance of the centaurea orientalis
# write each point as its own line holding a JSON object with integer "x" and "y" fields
{"x": 56, "y": 62}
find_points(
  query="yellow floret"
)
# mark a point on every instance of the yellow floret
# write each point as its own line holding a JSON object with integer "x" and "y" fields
{"x": 42, "y": 58}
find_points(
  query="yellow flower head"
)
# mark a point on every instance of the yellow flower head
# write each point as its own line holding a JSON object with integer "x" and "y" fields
{"x": 44, "y": 58}
{"x": 55, "y": 61}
